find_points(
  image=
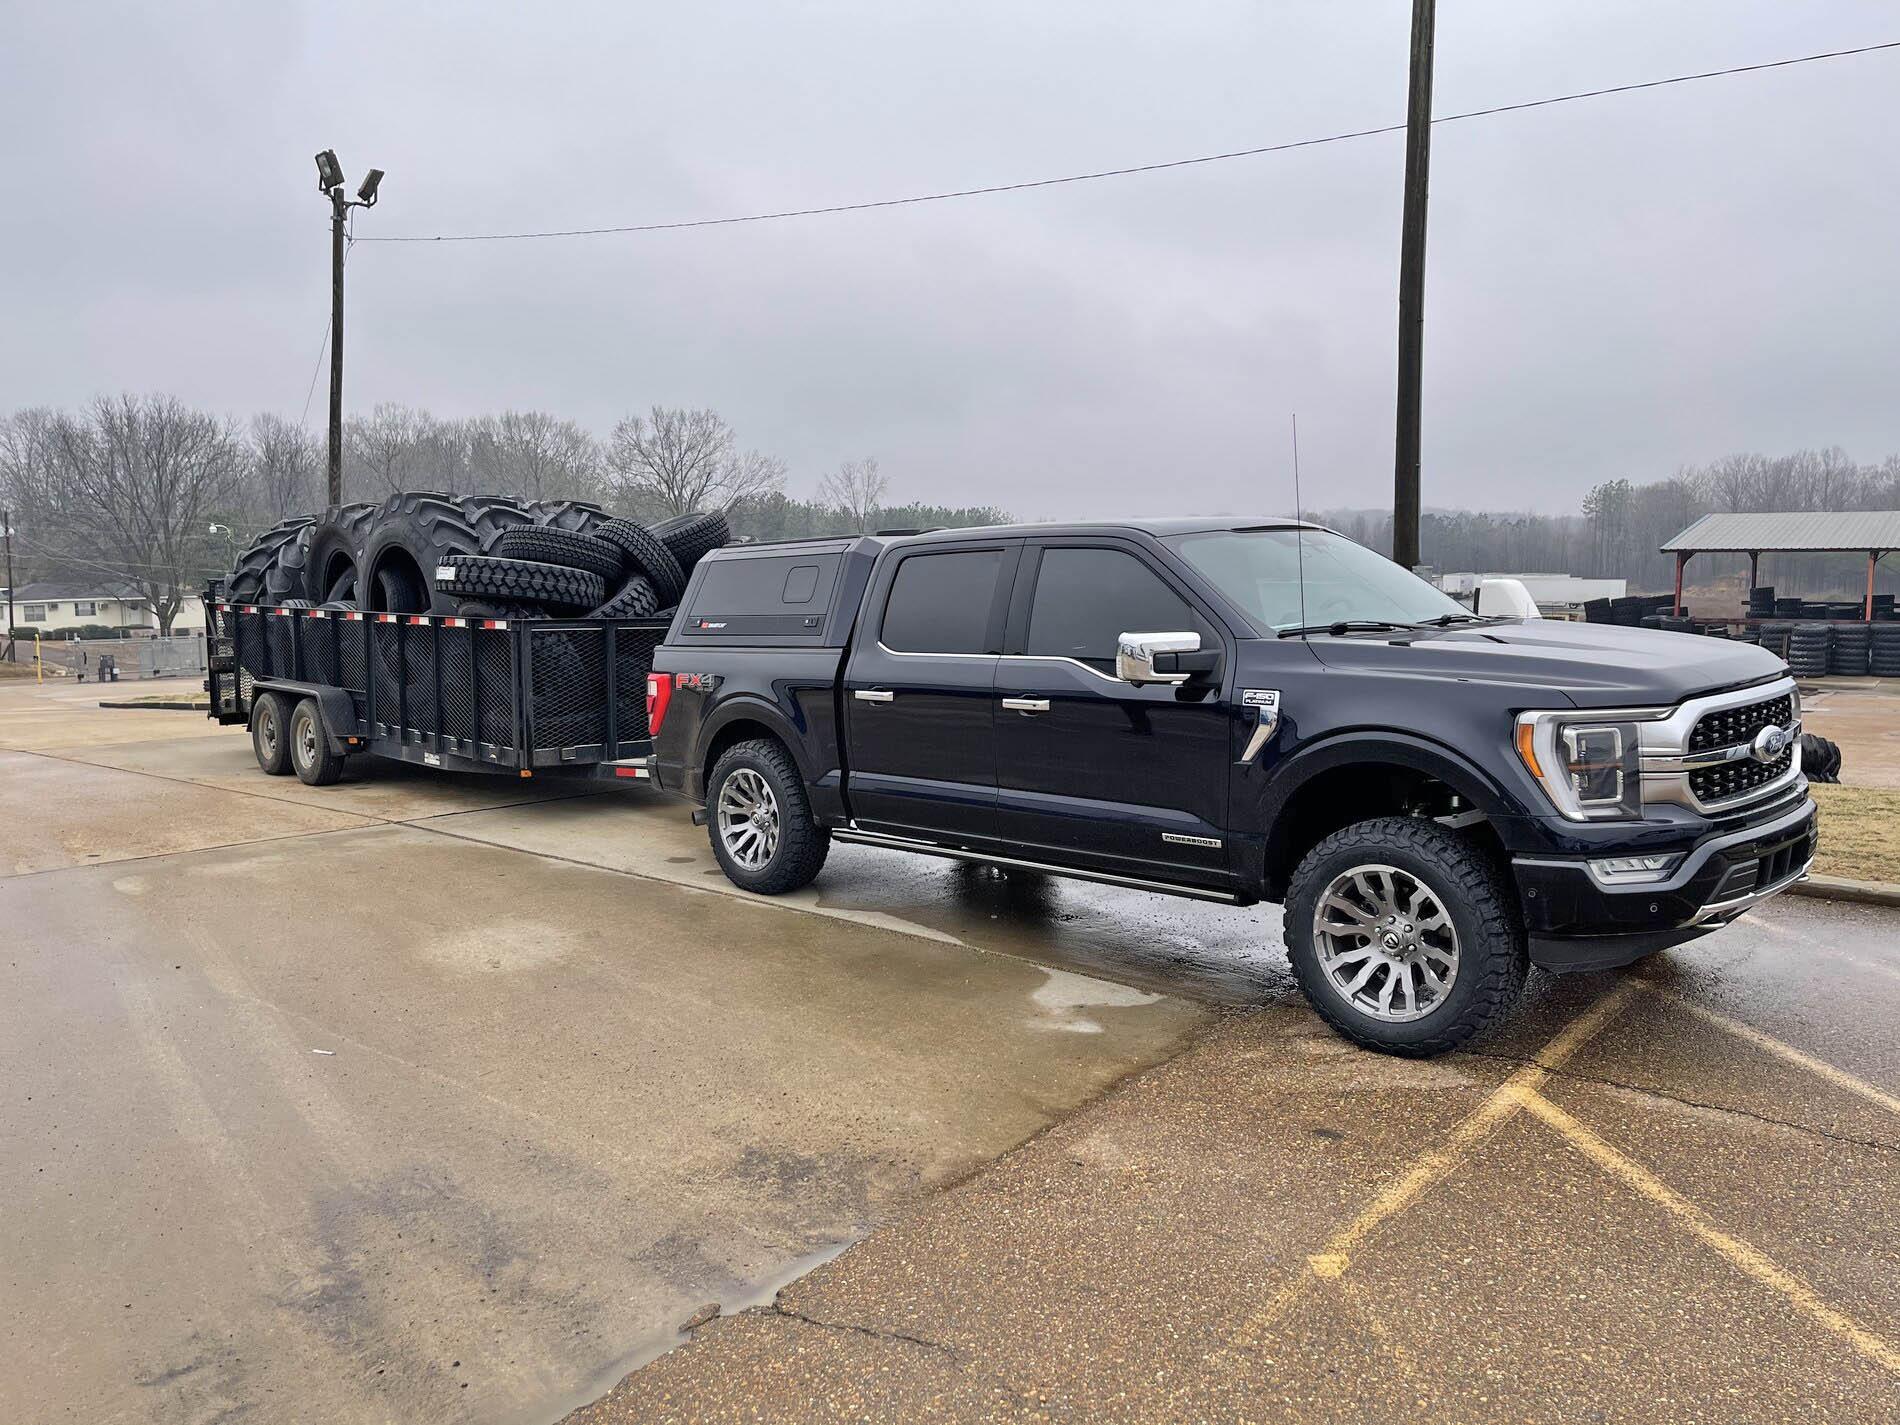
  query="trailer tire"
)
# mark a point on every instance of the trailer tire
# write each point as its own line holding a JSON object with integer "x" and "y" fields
{"x": 647, "y": 556}
{"x": 691, "y": 537}
{"x": 561, "y": 546}
{"x": 270, "y": 733}
{"x": 1363, "y": 871}
{"x": 485, "y": 576}
{"x": 636, "y": 599}
{"x": 316, "y": 763}
{"x": 785, "y": 847}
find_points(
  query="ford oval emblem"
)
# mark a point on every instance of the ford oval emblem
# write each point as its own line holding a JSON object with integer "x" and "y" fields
{"x": 1770, "y": 743}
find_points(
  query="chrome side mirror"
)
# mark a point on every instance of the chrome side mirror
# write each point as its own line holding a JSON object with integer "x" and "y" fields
{"x": 1150, "y": 657}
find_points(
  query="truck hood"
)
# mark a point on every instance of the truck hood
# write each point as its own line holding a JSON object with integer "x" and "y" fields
{"x": 1590, "y": 664}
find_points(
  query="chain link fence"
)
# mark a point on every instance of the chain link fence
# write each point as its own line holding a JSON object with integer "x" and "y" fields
{"x": 99, "y": 660}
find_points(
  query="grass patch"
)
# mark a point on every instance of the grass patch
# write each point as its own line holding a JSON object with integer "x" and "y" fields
{"x": 1860, "y": 833}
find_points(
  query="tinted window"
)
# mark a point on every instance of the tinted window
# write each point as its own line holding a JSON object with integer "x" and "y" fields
{"x": 940, "y": 603}
{"x": 1087, "y": 598}
{"x": 762, "y": 585}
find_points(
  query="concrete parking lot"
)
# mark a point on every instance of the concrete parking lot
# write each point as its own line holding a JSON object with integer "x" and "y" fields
{"x": 435, "y": 1098}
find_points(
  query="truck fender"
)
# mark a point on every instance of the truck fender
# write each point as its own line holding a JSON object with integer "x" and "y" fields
{"x": 750, "y": 707}
{"x": 1401, "y": 749}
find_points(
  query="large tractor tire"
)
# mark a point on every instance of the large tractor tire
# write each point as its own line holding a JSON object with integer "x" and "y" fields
{"x": 413, "y": 533}
{"x": 336, "y": 547}
{"x": 273, "y": 568}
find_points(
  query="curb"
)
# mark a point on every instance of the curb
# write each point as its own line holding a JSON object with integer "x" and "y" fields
{"x": 1837, "y": 888}
{"x": 205, "y": 707}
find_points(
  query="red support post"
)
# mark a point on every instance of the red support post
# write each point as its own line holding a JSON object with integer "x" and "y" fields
{"x": 1682, "y": 558}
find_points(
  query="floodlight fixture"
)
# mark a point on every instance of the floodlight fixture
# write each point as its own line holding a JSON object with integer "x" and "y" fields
{"x": 366, "y": 195}
{"x": 329, "y": 171}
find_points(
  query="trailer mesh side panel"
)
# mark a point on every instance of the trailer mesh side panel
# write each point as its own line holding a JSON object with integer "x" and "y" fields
{"x": 458, "y": 681}
{"x": 570, "y": 686}
{"x": 633, "y": 660}
{"x": 352, "y": 671}
{"x": 385, "y": 671}
{"x": 419, "y": 674}
{"x": 319, "y": 651}
{"x": 494, "y": 660}
{"x": 277, "y": 641}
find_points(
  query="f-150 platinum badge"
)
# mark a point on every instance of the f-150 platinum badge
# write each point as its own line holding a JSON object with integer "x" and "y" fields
{"x": 1266, "y": 705}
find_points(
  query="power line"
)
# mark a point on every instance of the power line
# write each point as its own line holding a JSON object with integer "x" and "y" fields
{"x": 315, "y": 371}
{"x": 1143, "y": 167}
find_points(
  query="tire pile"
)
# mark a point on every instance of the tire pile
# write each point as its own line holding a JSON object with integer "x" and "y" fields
{"x": 480, "y": 556}
{"x": 1809, "y": 646}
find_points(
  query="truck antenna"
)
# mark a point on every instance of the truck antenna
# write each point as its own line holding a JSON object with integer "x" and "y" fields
{"x": 1299, "y": 520}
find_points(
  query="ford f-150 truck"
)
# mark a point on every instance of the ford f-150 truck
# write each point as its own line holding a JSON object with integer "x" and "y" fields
{"x": 1240, "y": 711}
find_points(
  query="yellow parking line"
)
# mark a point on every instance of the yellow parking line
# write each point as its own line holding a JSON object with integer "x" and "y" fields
{"x": 1840, "y": 1078}
{"x": 1505, "y": 1101}
{"x": 1748, "y": 1259}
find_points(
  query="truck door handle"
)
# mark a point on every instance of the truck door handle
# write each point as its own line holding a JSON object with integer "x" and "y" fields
{"x": 873, "y": 695}
{"x": 1027, "y": 705}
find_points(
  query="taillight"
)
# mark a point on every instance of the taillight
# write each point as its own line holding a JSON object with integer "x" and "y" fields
{"x": 659, "y": 695}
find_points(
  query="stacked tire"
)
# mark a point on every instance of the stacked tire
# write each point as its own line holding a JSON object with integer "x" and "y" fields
{"x": 613, "y": 569}
{"x": 1808, "y": 647}
{"x": 1849, "y": 656}
{"x": 1774, "y": 638}
{"x": 1884, "y": 651}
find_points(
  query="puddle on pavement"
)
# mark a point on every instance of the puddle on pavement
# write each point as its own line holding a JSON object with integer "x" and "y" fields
{"x": 1066, "y": 992}
{"x": 1223, "y": 954}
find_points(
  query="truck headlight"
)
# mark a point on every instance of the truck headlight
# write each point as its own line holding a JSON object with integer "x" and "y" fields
{"x": 1589, "y": 767}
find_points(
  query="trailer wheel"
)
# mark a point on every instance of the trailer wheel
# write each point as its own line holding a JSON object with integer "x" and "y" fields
{"x": 270, "y": 733}
{"x": 1404, "y": 935}
{"x": 310, "y": 752}
{"x": 763, "y": 833}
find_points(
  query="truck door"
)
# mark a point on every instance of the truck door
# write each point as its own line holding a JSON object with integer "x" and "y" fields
{"x": 920, "y": 694}
{"x": 1093, "y": 769}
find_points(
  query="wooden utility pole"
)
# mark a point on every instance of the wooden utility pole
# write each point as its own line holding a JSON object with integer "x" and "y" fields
{"x": 1418, "y": 163}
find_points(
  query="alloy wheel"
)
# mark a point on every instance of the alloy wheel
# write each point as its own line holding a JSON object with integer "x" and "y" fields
{"x": 1386, "y": 942}
{"x": 748, "y": 819}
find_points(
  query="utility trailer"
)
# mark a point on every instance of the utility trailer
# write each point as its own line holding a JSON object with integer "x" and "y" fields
{"x": 521, "y": 697}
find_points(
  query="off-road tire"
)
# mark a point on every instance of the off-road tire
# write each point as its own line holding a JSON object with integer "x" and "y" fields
{"x": 803, "y": 844}
{"x": 272, "y": 568}
{"x": 421, "y": 529}
{"x": 316, "y": 763}
{"x": 518, "y": 581}
{"x": 270, "y": 733}
{"x": 636, "y": 599}
{"x": 561, "y": 546}
{"x": 1493, "y": 955}
{"x": 336, "y": 548}
{"x": 691, "y": 537}
{"x": 565, "y": 514}
{"x": 645, "y": 555}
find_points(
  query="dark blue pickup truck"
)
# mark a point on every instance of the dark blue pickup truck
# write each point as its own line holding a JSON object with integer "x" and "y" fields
{"x": 1240, "y": 711}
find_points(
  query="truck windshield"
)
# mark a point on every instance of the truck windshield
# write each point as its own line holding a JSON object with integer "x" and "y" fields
{"x": 1260, "y": 570}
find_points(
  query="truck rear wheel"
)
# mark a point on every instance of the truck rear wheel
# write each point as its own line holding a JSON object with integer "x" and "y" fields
{"x": 1404, "y": 936}
{"x": 763, "y": 833}
{"x": 270, "y": 733}
{"x": 317, "y": 764}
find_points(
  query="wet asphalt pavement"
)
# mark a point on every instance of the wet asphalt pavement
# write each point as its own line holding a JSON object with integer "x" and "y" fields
{"x": 1096, "y": 1159}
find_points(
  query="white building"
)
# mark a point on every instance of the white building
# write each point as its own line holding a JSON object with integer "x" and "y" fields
{"x": 58, "y": 610}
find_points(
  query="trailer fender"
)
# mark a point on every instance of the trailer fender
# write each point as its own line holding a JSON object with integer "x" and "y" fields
{"x": 338, "y": 709}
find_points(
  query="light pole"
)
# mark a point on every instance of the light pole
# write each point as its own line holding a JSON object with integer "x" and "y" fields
{"x": 330, "y": 184}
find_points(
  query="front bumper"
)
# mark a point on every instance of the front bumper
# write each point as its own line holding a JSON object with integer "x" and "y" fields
{"x": 1578, "y": 922}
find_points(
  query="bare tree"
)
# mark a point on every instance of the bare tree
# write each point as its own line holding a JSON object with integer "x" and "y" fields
{"x": 534, "y": 456}
{"x": 285, "y": 464}
{"x": 134, "y": 484}
{"x": 857, "y": 490}
{"x": 399, "y": 448}
{"x": 673, "y": 461}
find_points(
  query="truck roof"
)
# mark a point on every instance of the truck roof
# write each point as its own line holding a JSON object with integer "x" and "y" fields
{"x": 1180, "y": 524}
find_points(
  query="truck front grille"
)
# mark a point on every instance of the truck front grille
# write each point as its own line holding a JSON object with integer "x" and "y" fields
{"x": 1736, "y": 727}
{"x": 1732, "y": 779}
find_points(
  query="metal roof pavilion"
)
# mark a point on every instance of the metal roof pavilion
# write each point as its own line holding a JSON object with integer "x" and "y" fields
{"x": 1876, "y": 532}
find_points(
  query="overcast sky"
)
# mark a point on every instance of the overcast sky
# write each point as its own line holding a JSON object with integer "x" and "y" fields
{"x": 1617, "y": 287}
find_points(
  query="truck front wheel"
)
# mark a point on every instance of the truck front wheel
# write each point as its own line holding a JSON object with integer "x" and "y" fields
{"x": 763, "y": 832}
{"x": 1404, "y": 935}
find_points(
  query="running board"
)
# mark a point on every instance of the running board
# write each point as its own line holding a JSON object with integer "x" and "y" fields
{"x": 926, "y": 848}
